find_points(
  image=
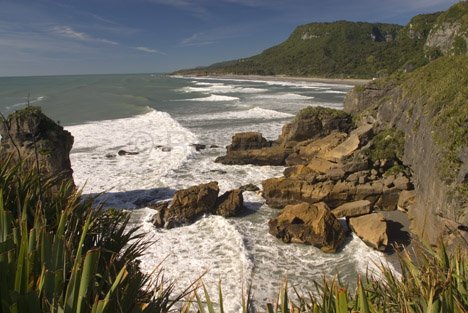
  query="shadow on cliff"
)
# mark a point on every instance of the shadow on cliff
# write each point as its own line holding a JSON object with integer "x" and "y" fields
{"x": 397, "y": 236}
{"x": 132, "y": 199}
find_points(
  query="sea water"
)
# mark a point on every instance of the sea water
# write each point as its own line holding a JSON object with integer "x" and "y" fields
{"x": 160, "y": 117}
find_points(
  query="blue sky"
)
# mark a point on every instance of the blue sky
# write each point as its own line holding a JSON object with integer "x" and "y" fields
{"x": 53, "y": 37}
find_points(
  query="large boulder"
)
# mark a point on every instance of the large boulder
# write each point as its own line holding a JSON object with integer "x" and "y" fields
{"x": 230, "y": 204}
{"x": 308, "y": 224}
{"x": 352, "y": 209}
{"x": 314, "y": 123}
{"x": 372, "y": 229}
{"x": 188, "y": 205}
{"x": 29, "y": 134}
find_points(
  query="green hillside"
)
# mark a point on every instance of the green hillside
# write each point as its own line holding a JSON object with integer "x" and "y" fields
{"x": 345, "y": 49}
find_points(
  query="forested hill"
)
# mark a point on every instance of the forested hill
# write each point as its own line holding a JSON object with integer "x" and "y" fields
{"x": 352, "y": 49}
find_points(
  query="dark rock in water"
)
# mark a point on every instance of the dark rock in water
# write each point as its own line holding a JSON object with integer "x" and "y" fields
{"x": 188, "y": 205}
{"x": 110, "y": 156}
{"x": 249, "y": 187}
{"x": 198, "y": 146}
{"x": 28, "y": 131}
{"x": 218, "y": 171}
{"x": 311, "y": 224}
{"x": 248, "y": 141}
{"x": 123, "y": 152}
{"x": 166, "y": 149}
{"x": 230, "y": 204}
{"x": 214, "y": 146}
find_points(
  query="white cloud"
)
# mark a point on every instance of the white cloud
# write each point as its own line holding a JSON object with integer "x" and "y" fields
{"x": 196, "y": 7}
{"x": 197, "y": 39}
{"x": 69, "y": 32}
{"x": 149, "y": 50}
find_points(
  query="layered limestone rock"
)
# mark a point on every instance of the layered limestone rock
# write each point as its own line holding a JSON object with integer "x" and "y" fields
{"x": 30, "y": 136}
{"x": 353, "y": 209}
{"x": 308, "y": 224}
{"x": 190, "y": 204}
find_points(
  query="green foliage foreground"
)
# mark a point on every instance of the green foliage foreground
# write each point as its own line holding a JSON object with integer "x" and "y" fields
{"x": 57, "y": 254}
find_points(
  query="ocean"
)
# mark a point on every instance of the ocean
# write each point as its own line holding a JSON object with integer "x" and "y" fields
{"x": 160, "y": 117}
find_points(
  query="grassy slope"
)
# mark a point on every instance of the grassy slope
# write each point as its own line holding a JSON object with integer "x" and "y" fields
{"x": 339, "y": 49}
{"x": 441, "y": 88}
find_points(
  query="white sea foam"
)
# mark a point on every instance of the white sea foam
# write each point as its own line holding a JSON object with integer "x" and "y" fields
{"x": 284, "y": 96}
{"x": 20, "y": 104}
{"x": 336, "y": 91}
{"x": 213, "y": 98}
{"x": 254, "y": 113}
{"x": 297, "y": 84}
{"x": 222, "y": 88}
{"x": 211, "y": 247}
{"x": 98, "y": 168}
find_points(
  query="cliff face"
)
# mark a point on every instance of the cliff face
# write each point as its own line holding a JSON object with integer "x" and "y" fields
{"x": 430, "y": 107}
{"x": 449, "y": 35}
{"x": 29, "y": 132}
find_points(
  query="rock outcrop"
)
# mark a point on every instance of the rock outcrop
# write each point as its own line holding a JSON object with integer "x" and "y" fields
{"x": 29, "y": 134}
{"x": 311, "y": 123}
{"x": 434, "y": 144}
{"x": 449, "y": 36}
{"x": 372, "y": 229}
{"x": 314, "y": 123}
{"x": 308, "y": 224}
{"x": 252, "y": 148}
{"x": 190, "y": 204}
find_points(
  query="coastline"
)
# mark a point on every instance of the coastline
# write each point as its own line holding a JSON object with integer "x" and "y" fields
{"x": 341, "y": 81}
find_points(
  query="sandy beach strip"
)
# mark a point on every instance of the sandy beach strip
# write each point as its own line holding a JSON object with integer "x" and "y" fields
{"x": 342, "y": 81}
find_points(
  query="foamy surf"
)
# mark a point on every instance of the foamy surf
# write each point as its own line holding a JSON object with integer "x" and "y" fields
{"x": 221, "y": 88}
{"x": 161, "y": 142}
{"x": 254, "y": 113}
{"x": 212, "y": 98}
{"x": 285, "y": 96}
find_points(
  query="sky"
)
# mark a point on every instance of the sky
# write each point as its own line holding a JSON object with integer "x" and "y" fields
{"x": 57, "y": 37}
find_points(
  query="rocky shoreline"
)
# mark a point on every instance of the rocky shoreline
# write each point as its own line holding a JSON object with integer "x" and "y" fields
{"x": 329, "y": 176}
